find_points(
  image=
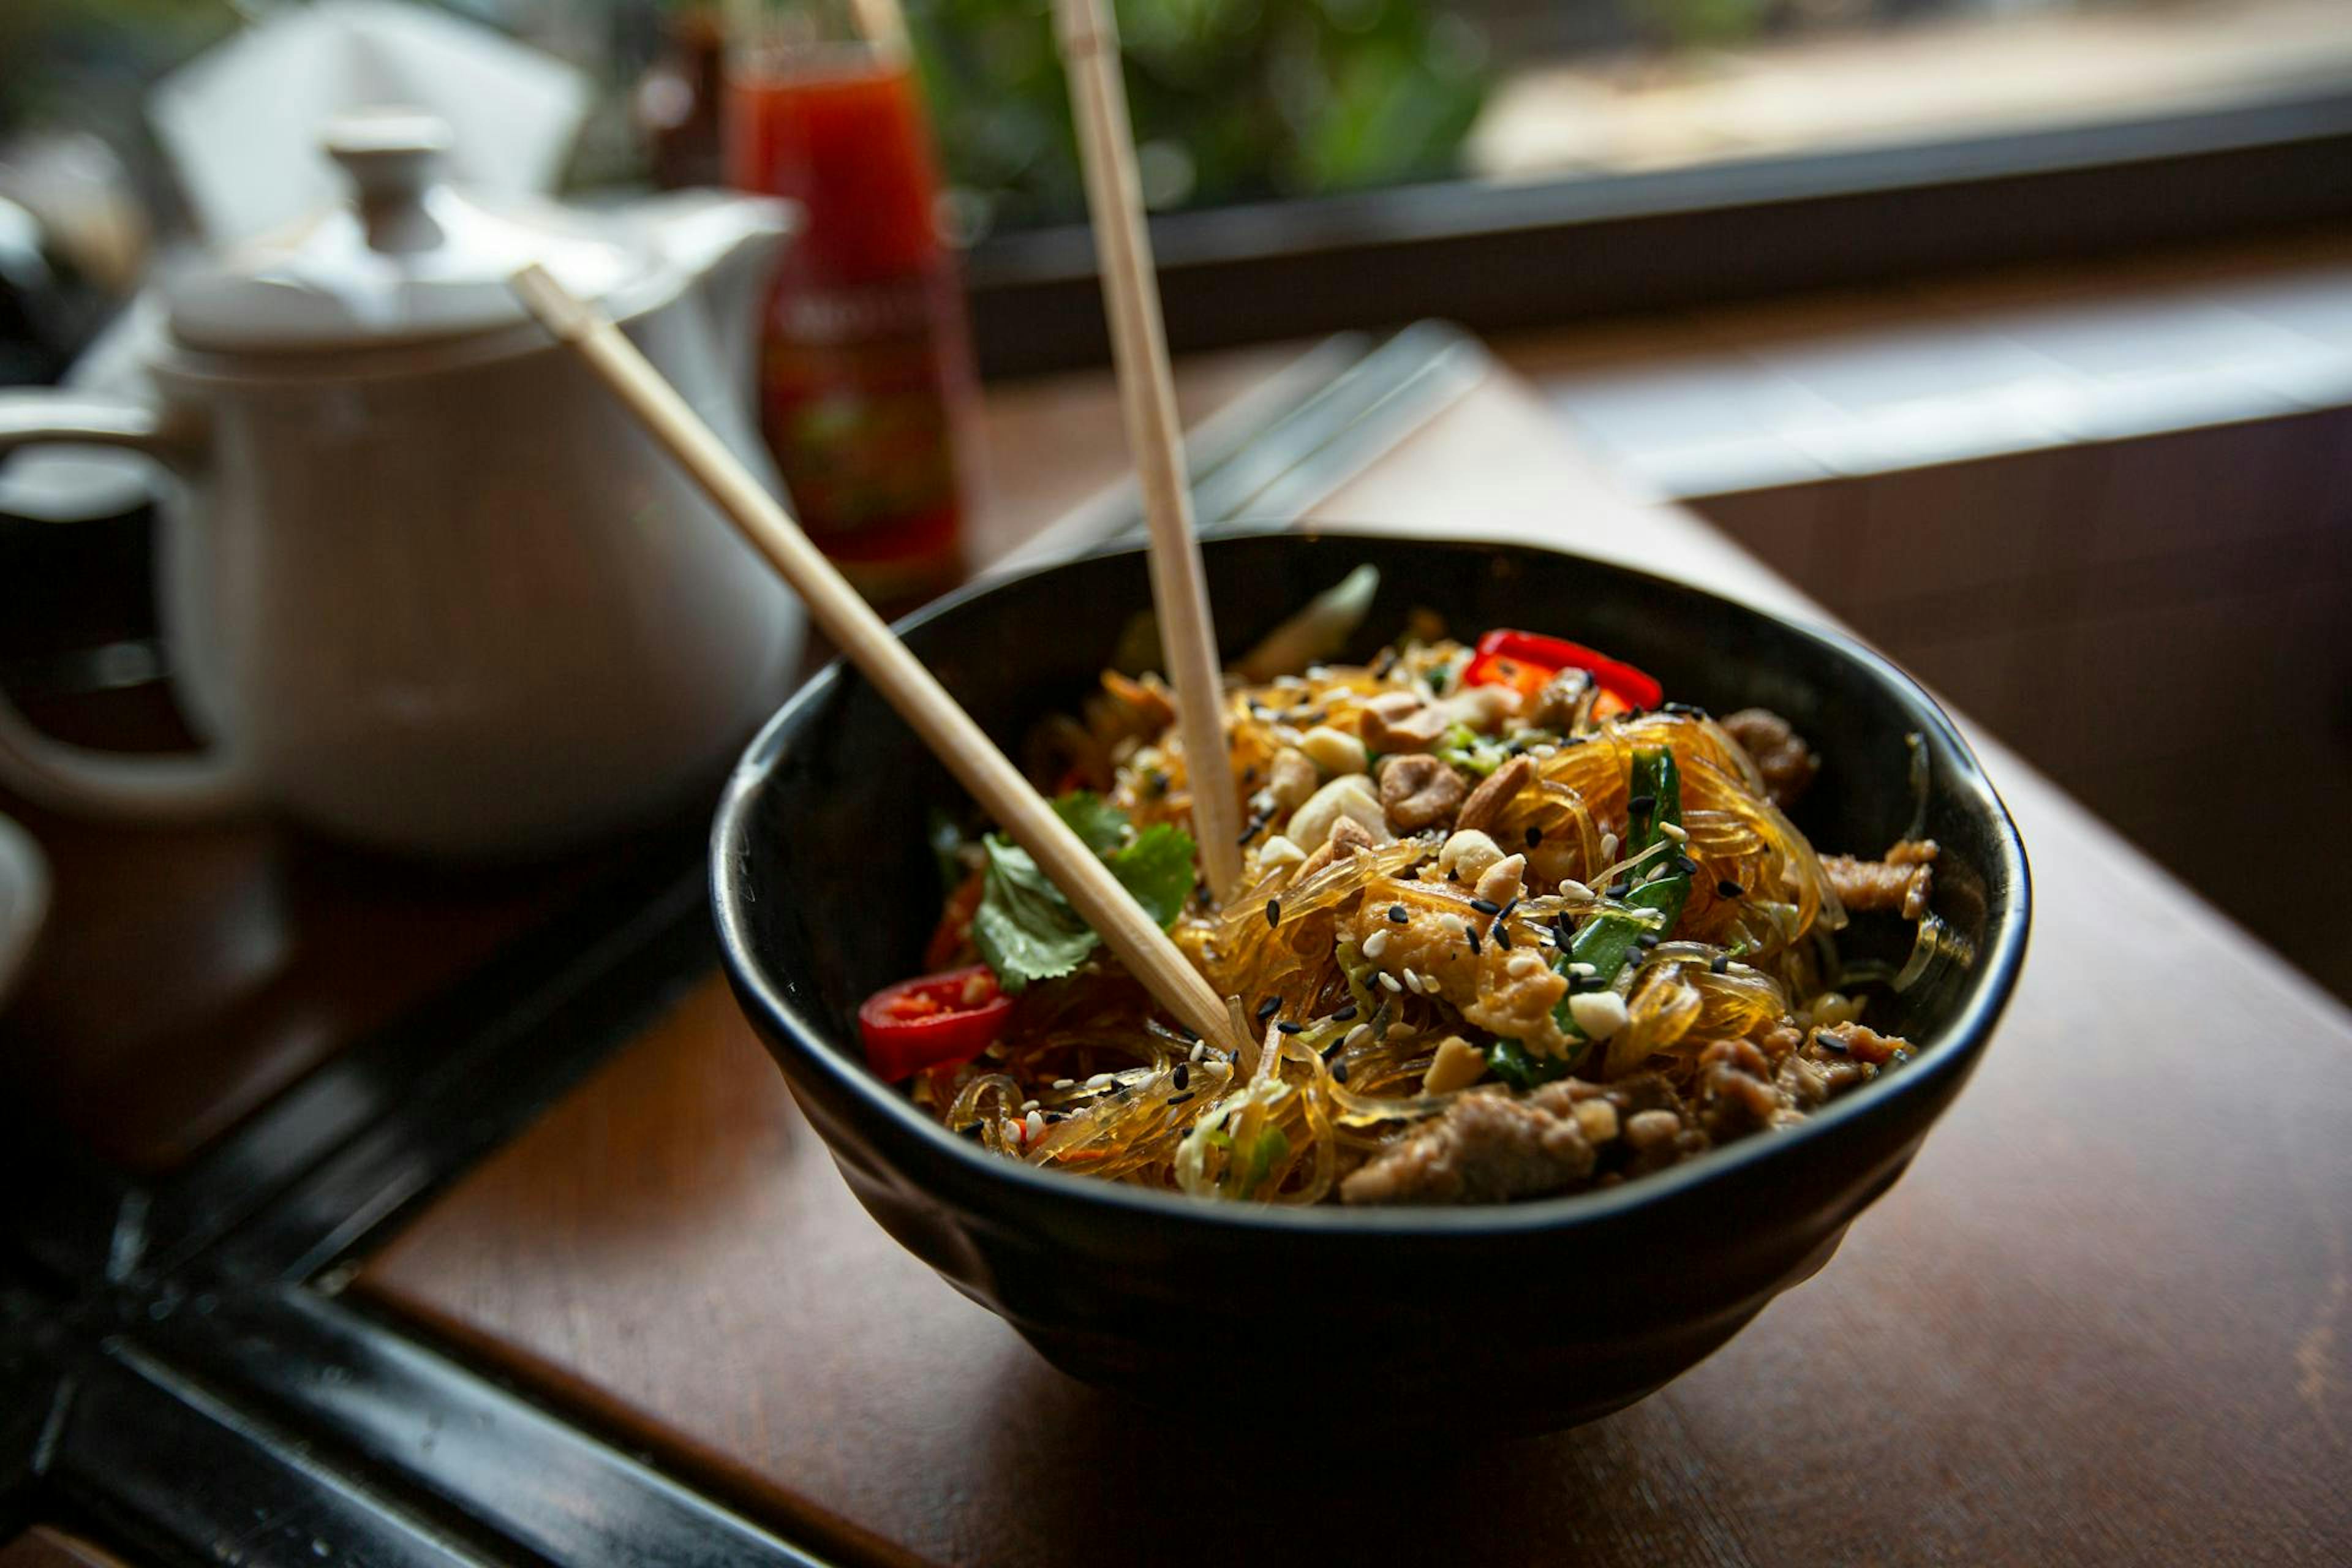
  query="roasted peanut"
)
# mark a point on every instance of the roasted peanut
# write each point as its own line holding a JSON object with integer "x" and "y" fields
{"x": 1351, "y": 796}
{"x": 1485, "y": 807}
{"x": 1468, "y": 854}
{"x": 1290, "y": 779}
{"x": 1418, "y": 791}
{"x": 1335, "y": 751}
{"x": 1403, "y": 722}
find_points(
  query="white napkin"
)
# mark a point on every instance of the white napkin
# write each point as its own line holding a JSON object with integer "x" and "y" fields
{"x": 241, "y": 123}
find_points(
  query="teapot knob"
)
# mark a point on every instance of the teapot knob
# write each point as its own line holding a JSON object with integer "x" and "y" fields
{"x": 393, "y": 157}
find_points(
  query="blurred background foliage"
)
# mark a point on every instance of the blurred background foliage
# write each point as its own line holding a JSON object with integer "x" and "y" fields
{"x": 1233, "y": 99}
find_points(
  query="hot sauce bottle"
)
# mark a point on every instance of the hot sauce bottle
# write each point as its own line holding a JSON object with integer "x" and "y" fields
{"x": 865, "y": 363}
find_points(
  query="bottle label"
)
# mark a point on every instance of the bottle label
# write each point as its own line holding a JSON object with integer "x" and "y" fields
{"x": 855, "y": 389}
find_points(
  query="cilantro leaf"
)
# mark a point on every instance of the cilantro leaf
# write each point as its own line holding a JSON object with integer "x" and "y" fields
{"x": 1100, "y": 825}
{"x": 1158, "y": 869}
{"x": 1025, "y": 928}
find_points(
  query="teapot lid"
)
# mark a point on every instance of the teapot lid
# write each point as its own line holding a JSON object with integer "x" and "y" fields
{"x": 409, "y": 260}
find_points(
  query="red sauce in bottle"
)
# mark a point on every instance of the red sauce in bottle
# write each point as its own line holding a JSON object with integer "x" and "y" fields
{"x": 865, "y": 367}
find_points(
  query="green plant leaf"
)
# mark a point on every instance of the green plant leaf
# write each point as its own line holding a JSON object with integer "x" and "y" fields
{"x": 1158, "y": 869}
{"x": 1102, "y": 826}
{"x": 1025, "y": 928}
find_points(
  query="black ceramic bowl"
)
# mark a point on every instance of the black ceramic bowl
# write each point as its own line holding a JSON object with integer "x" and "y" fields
{"x": 1527, "y": 1317}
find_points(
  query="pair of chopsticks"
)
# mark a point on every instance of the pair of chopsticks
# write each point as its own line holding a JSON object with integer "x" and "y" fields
{"x": 1180, "y": 592}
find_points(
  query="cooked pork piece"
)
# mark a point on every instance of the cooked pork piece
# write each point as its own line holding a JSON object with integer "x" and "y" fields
{"x": 1900, "y": 884}
{"x": 1780, "y": 754}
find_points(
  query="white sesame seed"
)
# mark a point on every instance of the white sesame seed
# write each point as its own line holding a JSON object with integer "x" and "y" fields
{"x": 1036, "y": 1125}
{"x": 1065, "y": 1083}
{"x": 1574, "y": 891}
{"x": 1356, "y": 1036}
{"x": 1028, "y": 1105}
{"x": 1452, "y": 925}
{"x": 1376, "y": 944}
{"x": 1523, "y": 965}
{"x": 1402, "y": 1033}
{"x": 1412, "y": 982}
{"x": 1390, "y": 981}
{"x": 1200, "y": 1048}
{"x": 1584, "y": 969}
{"x": 1543, "y": 750}
{"x": 1676, "y": 831}
{"x": 1607, "y": 846}
{"x": 1100, "y": 1080}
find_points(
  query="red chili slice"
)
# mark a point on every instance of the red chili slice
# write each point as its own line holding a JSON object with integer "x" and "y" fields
{"x": 1526, "y": 660}
{"x": 934, "y": 1021}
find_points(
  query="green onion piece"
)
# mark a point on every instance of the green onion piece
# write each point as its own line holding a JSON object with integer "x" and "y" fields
{"x": 1608, "y": 941}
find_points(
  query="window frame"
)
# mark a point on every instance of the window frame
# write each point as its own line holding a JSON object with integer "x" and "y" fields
{"x": 1492, "y": 256}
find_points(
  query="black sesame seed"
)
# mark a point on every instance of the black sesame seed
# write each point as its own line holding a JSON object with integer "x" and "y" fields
{"x": 1176, "y": 1100}
{"x": 1718, "y": 964}
{"x": 1685, "y": 864}
{"x": 1471, "y": 934}
{"x": 1333, "y": 1049}
{"x": 1729, "y": 890}
{"x": 1487, "y": 906}
{"x": 1505, "y": 913}
{"x": 1502, "y": 934}
{"x": 1053, "y": 1116}
{"x": 1233, "y": 1057}
{"x": 1189, "y": 1032}
{"x": 1642, "y": 804}
{"x": 1338, "y": 1072}
{"x": 1396, "y": 914}
{"x": 1268, "y": 1008}
{"x": 1274, "y": 912}
{"x": 1287, "y": 1027}
{"x": 1344, "y": 1014}
{"x": 1646, "y": 940}
{"x": 1182, "y": 1077}
{"x": 1619, "y": 889}
{"x": 1534, "y": 836}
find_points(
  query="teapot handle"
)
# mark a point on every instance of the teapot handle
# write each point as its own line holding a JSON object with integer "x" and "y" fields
{"x": 76, "y": 778}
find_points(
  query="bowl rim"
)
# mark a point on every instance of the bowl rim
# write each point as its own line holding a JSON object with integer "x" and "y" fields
{"x": 1950, "y": 1055}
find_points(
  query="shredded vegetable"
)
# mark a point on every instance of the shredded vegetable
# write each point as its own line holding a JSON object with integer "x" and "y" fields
{"x": 1609, "y": 909}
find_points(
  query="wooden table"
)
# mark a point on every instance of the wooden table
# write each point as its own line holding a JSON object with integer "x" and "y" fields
{"x": 2107, "y": 1318}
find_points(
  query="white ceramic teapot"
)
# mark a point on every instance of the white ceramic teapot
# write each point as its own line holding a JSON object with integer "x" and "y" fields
{"x": 426, "y": 586}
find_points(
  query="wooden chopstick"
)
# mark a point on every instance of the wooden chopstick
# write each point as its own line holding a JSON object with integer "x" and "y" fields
{"x": 896, "y": 674}
{"x": 1090, "y": 41}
